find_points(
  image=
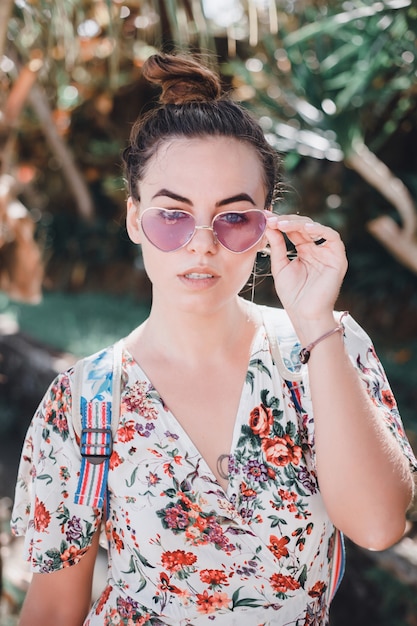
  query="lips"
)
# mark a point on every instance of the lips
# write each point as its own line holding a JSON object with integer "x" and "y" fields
{"x": 199, "y": 273}
{"x": 198, "y": 276}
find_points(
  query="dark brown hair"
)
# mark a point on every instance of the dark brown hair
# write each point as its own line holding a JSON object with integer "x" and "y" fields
{"x": 192, "y": 105}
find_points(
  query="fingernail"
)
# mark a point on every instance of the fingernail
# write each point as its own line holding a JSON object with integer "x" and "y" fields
{"x": 272, "y": 220}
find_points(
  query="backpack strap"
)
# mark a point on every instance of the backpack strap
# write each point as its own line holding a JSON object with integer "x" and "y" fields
{"x": 95, "y": 421}
{"x": 286, "y": 374}
{"x": 338, "y": 564}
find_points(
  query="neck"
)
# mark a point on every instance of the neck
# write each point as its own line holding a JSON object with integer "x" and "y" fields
{"x": 195, "y": 337}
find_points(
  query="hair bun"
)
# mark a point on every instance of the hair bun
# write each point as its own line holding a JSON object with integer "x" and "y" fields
{"x": 182, "y": 79}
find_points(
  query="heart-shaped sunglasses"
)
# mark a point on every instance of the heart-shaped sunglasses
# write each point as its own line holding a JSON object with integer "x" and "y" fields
{"x": 172, "y": 229}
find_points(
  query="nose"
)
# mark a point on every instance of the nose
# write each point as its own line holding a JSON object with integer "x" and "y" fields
{"x": 203, "y": 241}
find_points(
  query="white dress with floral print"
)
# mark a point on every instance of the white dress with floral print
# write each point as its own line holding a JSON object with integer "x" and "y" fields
{"x": 181, "y": 549}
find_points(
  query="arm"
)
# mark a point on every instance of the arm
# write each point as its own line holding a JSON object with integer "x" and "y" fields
{"x": 62, "y": 597}
{"x": 364, "y": 477}
{"x": 363, "y": 474}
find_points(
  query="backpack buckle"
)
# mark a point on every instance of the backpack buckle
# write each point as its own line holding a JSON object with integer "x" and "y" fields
{"x": 96, "y": 444}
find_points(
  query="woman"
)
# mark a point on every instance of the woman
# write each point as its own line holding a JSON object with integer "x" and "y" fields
{"x": 224, "y": 492}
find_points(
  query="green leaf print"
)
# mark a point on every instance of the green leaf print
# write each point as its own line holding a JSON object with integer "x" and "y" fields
{"x": 132, "y": 567}
{"x": 170, "y": 493}
{"x": 303, "y": 576}
{"x": 130, "y": 483}
{"x": 252, "y": 602}
{"x": 142, "y": 559}
{"x": 250, "y": 377}
{"x": 247, "y": 437}
{"x": 273, "y": 403}
{"x": 277, "y": 429}
{"x": 291, "y": 430}
{"x": 46, "y": 477}
{"x": 276, "y": 521}
{"x": 142, "y": 584}
{"x": 259, "y": 365}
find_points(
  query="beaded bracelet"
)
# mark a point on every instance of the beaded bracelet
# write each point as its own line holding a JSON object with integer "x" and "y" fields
{"x": 305, "y": 352}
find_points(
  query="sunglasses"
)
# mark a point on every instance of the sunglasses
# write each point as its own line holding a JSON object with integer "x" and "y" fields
{"x": 172, "y": 229}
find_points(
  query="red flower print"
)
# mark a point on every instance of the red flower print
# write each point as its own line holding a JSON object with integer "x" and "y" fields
{"x": 318, "y": 589}
{"x": 60, "y": 423}
{"x": 42, "y": 517}
{"x": 291, "y": 496}
{"x": 213, "y": 577}
{"x": 220, "y": 600}
{"x": 137, "y": 399}
{"x": 282, "y": 584}
{"x": 118, "y": 541}
{"x": 261, "y": 420}
{"x": 277, "y": 546}
{"x": 205, "y": 603}
{"x": 271, "y": 473}
{"x": 246, "y": 491}
{"x": 388, "y": 399}
{"x": 201, "y": 523}
{"x": 168, "y": 469}
{"x": 126, "y": 432}
{"x": 281, "y": 451}
{"x": 153, "y": 479}
{"x": 103, "y": 599}
{"x": 71, "y": 555}
{"x": 115, "y": 460}
{"x": 176, "y": 560}
{"x": 209, "y": 604}
{"x": 165, "y": 584}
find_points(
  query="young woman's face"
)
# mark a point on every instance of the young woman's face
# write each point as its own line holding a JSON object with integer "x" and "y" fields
{"x": 205, "y": 177}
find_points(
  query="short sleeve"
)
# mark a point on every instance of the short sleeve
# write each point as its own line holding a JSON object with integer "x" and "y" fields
{"x": 57, "y": 531}
{"x": 372, "y": 374}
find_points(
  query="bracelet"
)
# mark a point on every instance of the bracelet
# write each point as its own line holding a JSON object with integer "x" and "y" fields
{"x": 305, "y": 352}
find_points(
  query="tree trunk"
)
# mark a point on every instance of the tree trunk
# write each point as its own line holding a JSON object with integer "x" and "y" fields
{"x": 6, "y": 7}
{"x": 76, "y": 182}
{"x": 400, "y": 241}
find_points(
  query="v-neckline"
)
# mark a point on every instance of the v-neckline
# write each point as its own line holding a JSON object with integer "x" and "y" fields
{"x": 189, "y": 443}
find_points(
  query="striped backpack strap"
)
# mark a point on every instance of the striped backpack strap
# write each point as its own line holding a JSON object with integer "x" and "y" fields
{"x": 95, "y": 420}
{"x": 338, "y": 565}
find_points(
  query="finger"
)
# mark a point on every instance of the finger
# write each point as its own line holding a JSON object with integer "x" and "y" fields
{"x": 278, "y": 247}
{"x": 293, "y": 226}
{"x": 301, "y": 231}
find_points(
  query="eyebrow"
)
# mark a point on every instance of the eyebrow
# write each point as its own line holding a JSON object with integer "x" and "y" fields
{"x": 240, "y": 197}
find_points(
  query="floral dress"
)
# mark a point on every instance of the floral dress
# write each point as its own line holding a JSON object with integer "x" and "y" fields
{"x": 182, "y": 550}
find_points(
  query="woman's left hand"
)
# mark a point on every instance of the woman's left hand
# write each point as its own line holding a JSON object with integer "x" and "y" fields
{"x": 308, "y": 285}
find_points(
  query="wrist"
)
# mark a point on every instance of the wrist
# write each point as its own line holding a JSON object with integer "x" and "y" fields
{"x": 337, "y": 328}
{"x": 308, "y": 330}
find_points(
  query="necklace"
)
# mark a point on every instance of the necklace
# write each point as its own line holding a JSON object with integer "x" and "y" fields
{"x": 220, "y": 462}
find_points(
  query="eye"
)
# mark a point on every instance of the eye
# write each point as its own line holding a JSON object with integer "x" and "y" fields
{"x": 233, "y": 218}
{"x": 171, "y": 216}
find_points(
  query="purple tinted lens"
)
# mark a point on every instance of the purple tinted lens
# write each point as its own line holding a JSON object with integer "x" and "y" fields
{"x": 239, "y": 231}
{"x": 166, "y": 229}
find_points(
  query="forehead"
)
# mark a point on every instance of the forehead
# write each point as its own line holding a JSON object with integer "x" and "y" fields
{"x": 206, "y": 165}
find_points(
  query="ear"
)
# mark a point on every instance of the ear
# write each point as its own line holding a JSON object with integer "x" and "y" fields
{"x": 132, "y": 220}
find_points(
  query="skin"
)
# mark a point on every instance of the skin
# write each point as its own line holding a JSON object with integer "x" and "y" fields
{"x": 196, "y": 343}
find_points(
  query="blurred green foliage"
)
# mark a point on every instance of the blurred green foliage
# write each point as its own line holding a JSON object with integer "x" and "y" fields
{"x": 79, "y": 324}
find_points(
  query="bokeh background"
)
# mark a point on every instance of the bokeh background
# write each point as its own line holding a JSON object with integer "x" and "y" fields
{"x": 334, "y": 85}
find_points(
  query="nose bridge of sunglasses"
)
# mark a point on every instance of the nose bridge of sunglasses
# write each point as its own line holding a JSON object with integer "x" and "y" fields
{"x": 206, "y": 227}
